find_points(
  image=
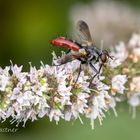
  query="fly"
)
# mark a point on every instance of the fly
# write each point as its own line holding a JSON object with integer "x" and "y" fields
{"x": 86, "y": 52}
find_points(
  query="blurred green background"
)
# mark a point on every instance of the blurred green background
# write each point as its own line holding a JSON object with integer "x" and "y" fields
{"x": 26, "y": 28}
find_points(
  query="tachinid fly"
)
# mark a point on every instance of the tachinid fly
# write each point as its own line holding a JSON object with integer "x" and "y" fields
{"x": 86, "y": 52}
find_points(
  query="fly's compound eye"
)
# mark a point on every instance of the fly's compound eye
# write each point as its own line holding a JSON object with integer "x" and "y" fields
{"x": 103, "y": 57}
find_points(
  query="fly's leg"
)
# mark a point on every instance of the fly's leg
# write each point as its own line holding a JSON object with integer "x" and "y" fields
{"x": 94, "y": 75}
{"x": 106, "y": 52}
{"x": 97, "y": 72}
{"x": 79, "y": 71}
{"x": 97, "y": 60}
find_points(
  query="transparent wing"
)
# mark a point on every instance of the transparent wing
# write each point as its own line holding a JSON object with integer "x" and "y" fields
{"x": 84, "y": 33}
{"x": 65, "y": 59}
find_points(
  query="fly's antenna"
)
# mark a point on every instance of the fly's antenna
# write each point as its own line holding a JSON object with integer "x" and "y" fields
{"x": 105, "y": 51}
{"x": 102, "y": 44}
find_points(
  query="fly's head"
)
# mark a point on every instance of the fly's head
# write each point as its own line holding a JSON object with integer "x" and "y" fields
{"x": 104, "y": 56}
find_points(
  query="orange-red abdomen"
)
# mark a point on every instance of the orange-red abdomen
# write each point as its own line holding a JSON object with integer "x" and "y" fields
{"x": 62, "y": 41}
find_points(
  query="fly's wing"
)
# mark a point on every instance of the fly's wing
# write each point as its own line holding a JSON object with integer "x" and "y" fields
{"x": 70, "y": 56}
{"x": 84, "y": 33}
{"x": 65, "y": 59}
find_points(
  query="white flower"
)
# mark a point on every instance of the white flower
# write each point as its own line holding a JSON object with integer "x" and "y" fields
{"x": 81, "y": 103}
{"x": 9, "y": 112}
{"x": 112, "y": 104}
{"x": 55, "y": 114}
{"x": 2, "y": 114}
{"x": 33, "y": 74}
{"x": 119, "y": 55}
{"x": 134, "y": 41}
{"x": 54, "y": 58}
{"x": 43, "y": 107}
{"x": 101, "y": 86}
{"x": 114, "y": 62}
{"x": 134, "y": 100}
{"x": 25, "y": 99}
{"x": 135, "y": 84}
{"x": 83, "y": 81}
{"x": 97, "y": 107}
{"x": 39, "y": 88}
{"x": 4, "y": 78}
{"x": 136, "y": 51}
{"x": 118, "y": 83}
{"x": 67, "y": 115}
{"x": 16, "y": 70}
{"x": 65, "y": 93}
